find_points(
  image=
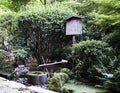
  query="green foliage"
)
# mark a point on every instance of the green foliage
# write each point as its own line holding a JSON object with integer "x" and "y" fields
{"x": 73, "y": 4}
{"x": 14, "y": 5}
{"x": 114, "y": 83}
{"x": 7, "y": 66}
{"x": 6, "y": 18}
{"x": 92, "y": 59}
{"x": 61, "y": 53}
{"x": 106, "y": 15}
{"x": 82, "y": 7}
{"x": 108, "y": 19}
{"x": 67, "y": 71}
{"x": 22, "y": 54}
{"x": 3, "y": 55}
{"x": 113, "y": 39}
{"x": 57, "y": 81}
{"x": 45, "y": 23}
{"x": 48, "y": 18}
{"x": 2, "y": 35}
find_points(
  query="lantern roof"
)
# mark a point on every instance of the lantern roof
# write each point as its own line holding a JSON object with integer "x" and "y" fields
{"x": 74, "y": 17}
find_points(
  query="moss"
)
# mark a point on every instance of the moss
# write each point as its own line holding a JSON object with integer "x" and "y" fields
{"x": 79, "y": 88}
{"x": 35, "y": 73}
{"x": 67, "y": 90}
{"x": 57, "y": 81}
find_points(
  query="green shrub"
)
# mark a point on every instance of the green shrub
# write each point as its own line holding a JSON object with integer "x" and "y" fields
{"x": 92, "y": 59}
{"x": 67, "y": 71}
{"x": 113, "y": 39}
{"x": 61, "y": 53}
{"x": 49, "y": 18}
{"x": 114, "y": 83}
{"x": 22, "y": 54}
{"x": 3, "y": 55}
{"x": 43, "y": 27}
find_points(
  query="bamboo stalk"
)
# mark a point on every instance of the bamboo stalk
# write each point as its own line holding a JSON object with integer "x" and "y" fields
{"x": 49, "y": 64}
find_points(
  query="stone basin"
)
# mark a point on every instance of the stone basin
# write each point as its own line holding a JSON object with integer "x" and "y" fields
{"x": 37, "y": 78}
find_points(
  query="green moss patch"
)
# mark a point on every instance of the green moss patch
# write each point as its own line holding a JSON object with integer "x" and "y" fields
{"x": 81, "y": 88}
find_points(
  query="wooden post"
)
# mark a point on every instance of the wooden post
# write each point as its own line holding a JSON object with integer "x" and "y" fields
{"x": 73, "y": 58}
{"x": 73, "y": 39}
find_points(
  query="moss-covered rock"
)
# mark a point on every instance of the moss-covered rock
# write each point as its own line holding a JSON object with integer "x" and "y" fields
{"x": 57, "y": 81}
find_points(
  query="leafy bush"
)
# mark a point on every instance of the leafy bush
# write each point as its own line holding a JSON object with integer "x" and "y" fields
{"x": 114, "y": 82}
{"x": 49, "y": 18}
{"x": 92, "y": 59}
{"x": 67, "y": 71}
{"x": 7, "y": 67}
{"x": 44, "y": 27}
{"x": 113, "y": 39}
{"x": 61, "y": 53}
{"x": 3, "y": 55}
{"x": 22, "y": 54}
